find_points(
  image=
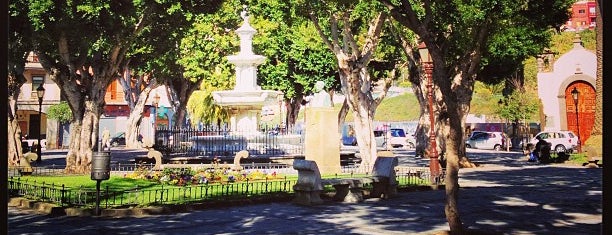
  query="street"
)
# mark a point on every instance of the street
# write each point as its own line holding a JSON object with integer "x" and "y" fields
{"x": 505, "y": 195}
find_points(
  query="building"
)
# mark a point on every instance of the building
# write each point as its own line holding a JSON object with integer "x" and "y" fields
{"x": 31, "y": 123}
{"x": 55, "y": 135}
{"x": 583, "y": 16}
{"x": 574, "y": 69}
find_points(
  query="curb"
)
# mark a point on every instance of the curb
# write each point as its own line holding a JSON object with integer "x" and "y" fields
{"x": 136, "y": 212}
{"x": 54, "y": 210}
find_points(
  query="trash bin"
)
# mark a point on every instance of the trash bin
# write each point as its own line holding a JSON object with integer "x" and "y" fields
{"x": 100, "y": 165}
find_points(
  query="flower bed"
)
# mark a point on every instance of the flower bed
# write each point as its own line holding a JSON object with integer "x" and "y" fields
{"x": 188, "y": 176}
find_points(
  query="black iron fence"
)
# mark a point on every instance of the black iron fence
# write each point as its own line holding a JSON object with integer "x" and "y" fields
{"x": 221, "y": 141}
{"x": 116, "y": 198}
{"x": 171, "y": 194}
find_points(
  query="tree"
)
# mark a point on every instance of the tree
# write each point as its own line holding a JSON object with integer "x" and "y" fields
{"x": 458, "y": 35}
{"x": 203, "y": 53}
{"x": 596, "y": 132}
{"x": 60, "y": 112}
{"x": 19, "y": 46}
{"x": 296, "y": 56}
{"x": 82, "y": 46}
{"x": 353, "y": 32}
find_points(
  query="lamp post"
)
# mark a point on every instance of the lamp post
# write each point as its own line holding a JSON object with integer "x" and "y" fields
{"x": 40, "y": 93}
{"x": 506, "y": 137}
{"x": 279, "y": 98}
{"x": 155, "y": 104}
{"x": 575, "y": 94}
{"x": 434, "y": 162}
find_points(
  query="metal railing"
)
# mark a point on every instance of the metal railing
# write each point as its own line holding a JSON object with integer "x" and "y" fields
{"x": 115, "y": 198}
{"x": 171, "y": 194}
{"x": 220, "y": 141}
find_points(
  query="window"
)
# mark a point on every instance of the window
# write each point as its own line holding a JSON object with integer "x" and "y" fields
{"x": 581, "y": 11}
{"x": 592, "y": 10}
{"x": 113, "y": 90}
{"x": 36, "y": 81}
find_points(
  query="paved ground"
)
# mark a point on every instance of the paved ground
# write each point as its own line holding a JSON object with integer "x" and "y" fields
{"x": 504, "y": 196}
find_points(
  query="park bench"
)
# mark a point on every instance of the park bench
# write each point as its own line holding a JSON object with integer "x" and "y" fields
{"x": 310, "y": 185}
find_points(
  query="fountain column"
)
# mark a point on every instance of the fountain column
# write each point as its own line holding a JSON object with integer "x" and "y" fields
{"x": 246, "y": 99}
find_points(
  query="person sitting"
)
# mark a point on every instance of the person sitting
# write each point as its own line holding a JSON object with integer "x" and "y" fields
{"x": 542, "y": 150}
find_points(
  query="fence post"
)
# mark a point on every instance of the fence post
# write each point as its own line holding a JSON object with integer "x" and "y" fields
{"x": 62, "y": 195}
{"x": 107, "y": 197}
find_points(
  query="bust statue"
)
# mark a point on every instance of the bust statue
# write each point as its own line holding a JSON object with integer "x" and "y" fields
{"x": 321, "y": 98}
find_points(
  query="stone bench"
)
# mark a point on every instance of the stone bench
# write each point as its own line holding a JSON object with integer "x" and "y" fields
{"x": 310, "y": 185}
{"x": 351, "y": 189}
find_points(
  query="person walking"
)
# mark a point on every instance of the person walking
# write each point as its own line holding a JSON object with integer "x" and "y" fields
{"x": 105, "y": 138}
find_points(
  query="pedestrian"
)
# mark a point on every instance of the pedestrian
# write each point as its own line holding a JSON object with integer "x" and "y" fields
{"x": 105, "y": 138}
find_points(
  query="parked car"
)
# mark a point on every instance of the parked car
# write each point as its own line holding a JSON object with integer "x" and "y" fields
{"x": 560, "y": 141}
{"x": 118, "y": 139}
{"x": 487, "y": 140}
{"x": 397, "y": 138}
{"x": 349, "y": 140}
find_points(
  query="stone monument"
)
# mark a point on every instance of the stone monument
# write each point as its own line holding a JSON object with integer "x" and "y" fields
{"x": 322, "y": 139}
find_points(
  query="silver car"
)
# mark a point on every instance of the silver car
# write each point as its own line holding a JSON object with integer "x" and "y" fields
{"x": 561, "y": 141}
{"x": 396, "y": 137}
{"x": 487, "y": 140}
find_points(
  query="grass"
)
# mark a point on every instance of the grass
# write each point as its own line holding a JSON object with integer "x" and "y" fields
{"x": 84, "y": 181}
{"x": 127, "y": 192}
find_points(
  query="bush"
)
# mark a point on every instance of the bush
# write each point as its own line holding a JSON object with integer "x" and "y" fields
{"x": 187, "y": 176}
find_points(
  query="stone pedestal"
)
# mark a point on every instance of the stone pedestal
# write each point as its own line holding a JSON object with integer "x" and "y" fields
{"x": 322, "y": 140}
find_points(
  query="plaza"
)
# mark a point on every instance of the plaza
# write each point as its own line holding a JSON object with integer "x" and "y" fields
{"x": 504, "y": 195}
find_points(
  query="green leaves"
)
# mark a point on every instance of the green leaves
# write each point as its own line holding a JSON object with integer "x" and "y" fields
{"x": 60, "y": 112}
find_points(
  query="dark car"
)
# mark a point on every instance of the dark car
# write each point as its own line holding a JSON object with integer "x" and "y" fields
{"x": 118, "y": 139}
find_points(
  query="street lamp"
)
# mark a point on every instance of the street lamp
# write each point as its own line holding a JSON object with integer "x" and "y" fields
{"x": 155, "y": 104}
{"x": 434, "y": 162}
{"x": 40, "y": 93}
{"x": 506, "y": 137}
{"x": 575, "y": 94}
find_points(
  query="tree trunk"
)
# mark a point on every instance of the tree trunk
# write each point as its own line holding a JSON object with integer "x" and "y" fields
{"x": 454, "y": 151}
{"x": 293, "y": 109}
{"x": 342, "y": 113}
{"x": 14, "y": 131}
{"x": 14, "y": 142}
{"x": 135, "y": 119}
{"x": 14, "y": 82}
{"x": 363, "y": 108}
{"x": 84, "y": 137}
{"x": 597, "y": 126}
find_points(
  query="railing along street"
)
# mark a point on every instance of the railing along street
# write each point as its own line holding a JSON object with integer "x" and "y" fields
{"x": 171, "y": 194}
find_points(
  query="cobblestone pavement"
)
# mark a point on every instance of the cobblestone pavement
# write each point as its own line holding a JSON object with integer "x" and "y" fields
{"x": 505, "y": 195}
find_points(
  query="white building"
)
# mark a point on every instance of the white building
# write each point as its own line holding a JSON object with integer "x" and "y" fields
{"x": 556, "y": 81}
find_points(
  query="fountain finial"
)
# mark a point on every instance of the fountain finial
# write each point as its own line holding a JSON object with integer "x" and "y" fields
{"x": 245, "y": 13}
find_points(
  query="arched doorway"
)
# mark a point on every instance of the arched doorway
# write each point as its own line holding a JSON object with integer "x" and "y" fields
{"x": 586, "y": 109}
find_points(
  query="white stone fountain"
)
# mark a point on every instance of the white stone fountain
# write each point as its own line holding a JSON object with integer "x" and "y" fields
{"x": 246, "y": 100}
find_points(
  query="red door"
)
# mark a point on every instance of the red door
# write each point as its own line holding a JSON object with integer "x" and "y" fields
{"x": 583, "y": 123}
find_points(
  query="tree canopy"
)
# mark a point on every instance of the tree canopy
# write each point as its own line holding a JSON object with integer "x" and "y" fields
{"x": 83, "y": 44}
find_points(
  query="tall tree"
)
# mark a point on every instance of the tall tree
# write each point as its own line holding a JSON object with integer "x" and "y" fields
{"x": 203, "y": 54}
{"x": 296, "y": 56}
{"x": 458, "y": 35}
{"x": 352, "y": 31}
{"x": 19, "y": 47}
{"x": 83, "y": 44}
{"x": 597, "y": 126}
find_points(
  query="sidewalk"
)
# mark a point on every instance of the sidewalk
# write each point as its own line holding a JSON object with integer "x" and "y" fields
{"x": 118, "y": 155}
{"x": 493, "y": 199}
